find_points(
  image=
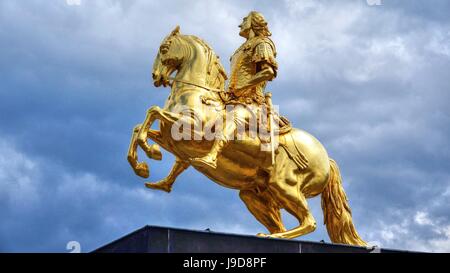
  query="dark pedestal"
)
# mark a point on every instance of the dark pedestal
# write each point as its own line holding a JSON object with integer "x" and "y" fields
{"x": 153, "y": 239}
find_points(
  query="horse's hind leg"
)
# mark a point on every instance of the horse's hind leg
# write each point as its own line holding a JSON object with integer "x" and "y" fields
{"x": 291, "y": 199}
{"x": 264, "y": 209}
{"x": 166, "y": 183}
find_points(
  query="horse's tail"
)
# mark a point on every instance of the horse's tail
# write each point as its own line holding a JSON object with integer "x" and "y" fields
{"x": 336, "y": 211}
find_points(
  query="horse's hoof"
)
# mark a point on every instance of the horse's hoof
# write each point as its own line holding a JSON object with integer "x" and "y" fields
{"x": 142, "y": 170}
{"x": 154, "y": 152}
{"x": 274, "y": 236}
{"x": 164, "y": 186}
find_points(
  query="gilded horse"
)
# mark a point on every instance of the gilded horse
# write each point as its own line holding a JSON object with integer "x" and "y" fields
{"x": 265, "y": 188}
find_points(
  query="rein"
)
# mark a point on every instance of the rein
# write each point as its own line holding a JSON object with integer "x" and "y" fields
{"x": 197, "y": 85}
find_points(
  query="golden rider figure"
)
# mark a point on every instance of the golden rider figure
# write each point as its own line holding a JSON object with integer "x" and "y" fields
{"x": 302, "y": 168}
{"x": 252, "y": 65}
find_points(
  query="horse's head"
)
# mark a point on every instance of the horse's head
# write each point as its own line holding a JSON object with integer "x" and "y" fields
{"x": 168, "y": 59}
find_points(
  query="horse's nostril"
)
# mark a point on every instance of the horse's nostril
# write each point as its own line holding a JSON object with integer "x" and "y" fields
{"x": 153, "y": 76}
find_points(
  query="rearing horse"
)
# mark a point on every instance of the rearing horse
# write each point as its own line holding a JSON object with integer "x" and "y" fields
{"x": 264, "y": 188}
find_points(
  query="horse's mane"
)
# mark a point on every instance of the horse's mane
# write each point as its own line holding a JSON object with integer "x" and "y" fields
{"x": 215, "y": 73}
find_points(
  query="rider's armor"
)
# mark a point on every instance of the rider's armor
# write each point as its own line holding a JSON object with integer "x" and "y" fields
{"x": 244, "y": 65}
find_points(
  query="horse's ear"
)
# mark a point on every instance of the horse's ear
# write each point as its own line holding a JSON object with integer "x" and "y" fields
{"x": 175, "y": 31}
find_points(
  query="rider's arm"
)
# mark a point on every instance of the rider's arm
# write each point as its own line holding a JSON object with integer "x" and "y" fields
{"x": 266, "y": 65}
{"x": 265, "y": 72}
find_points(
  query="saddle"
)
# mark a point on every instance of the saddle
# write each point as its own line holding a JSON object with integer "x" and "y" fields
{"x": 284, "y": 125}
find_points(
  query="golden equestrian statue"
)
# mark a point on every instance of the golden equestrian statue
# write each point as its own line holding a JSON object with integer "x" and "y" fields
{"x": 235, "y": 137}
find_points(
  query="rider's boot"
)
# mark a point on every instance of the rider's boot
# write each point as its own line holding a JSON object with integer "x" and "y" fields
{"x": 211, "y": 158}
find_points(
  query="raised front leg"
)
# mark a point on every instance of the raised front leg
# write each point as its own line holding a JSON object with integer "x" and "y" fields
{"x": 140, "y": 168}
{"x": 166, "y": 183}
{"x": 153, "y": 114}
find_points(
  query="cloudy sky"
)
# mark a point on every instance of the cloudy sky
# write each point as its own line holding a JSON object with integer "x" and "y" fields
{"x": 371, "y": 82}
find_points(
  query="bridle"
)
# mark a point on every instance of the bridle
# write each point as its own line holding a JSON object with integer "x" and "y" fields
{"x": 196, "y": 85}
